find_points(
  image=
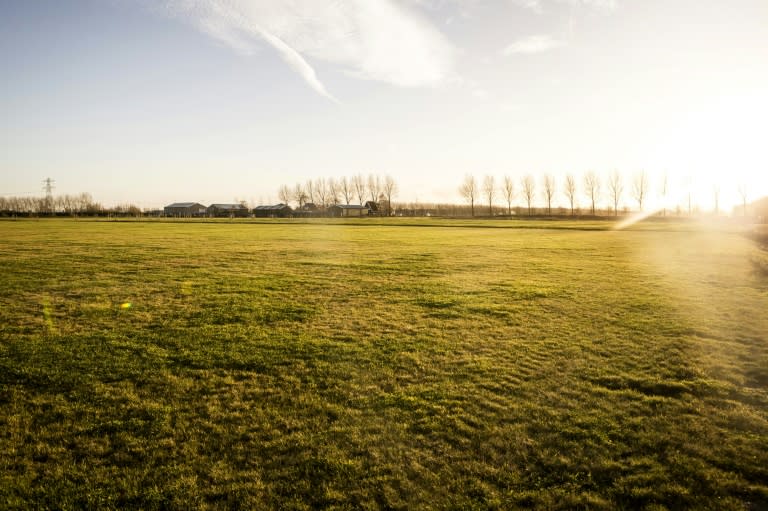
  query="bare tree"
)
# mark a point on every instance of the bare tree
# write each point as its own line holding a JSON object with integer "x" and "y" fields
{"x": 640, "y": 188}
{"x": 717, "y": 200}
{"x": 549, "y": 191}
{"x": 743, "y": 193}
{"x": 508, "y": 189}
{"x": 616, "y": 187}
{"x": 489, "y": 188}
{"x": 374, "y": 187}
{"x": 592, "y": 188}
{"x": 664, "y": 185}
{"x": 333, "y": 191}
{"x": 529, "y": 188}
{"x": 321, "y": 192}
{"x": 284, "y": 194}
{"x": 390, "y": 189}
{"x": 570, "y": 190}
{"x": 63, "y": 203}
{"x": 359, "y": 185}
{"x": 310, "y": 191}
{"x": 346, "y": 189}
{"x": 468, "y": 190}
{"x": 299, "y": 195}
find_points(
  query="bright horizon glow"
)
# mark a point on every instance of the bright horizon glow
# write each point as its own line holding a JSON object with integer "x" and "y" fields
{"x": 221, "y": 100}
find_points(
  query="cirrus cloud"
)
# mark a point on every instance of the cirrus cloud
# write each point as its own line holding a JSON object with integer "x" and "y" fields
{"x": 386, "y": 41}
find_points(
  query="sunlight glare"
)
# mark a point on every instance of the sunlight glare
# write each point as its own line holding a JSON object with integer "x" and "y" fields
{"x": 715, "y": 149}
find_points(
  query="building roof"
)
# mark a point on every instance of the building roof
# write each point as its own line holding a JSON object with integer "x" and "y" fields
{"x": 228, "y": 206}
{"x": 275, "y": 207}
{"x": 183, "y": 205}
{"x": 350, "y": 206}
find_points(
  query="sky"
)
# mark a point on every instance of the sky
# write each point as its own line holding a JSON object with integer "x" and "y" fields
{"x": 157, "y": 101}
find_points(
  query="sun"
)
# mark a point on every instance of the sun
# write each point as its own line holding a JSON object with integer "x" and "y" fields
{"x": 714, "y": 152}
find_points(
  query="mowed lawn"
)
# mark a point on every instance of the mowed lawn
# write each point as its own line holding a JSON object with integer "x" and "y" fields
{"x": 430, "y": 365}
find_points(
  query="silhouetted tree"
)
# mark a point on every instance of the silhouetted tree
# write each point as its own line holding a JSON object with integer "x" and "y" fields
{"x": 616, "y": 187}
{"x": 374, "y": 187}
{"x": 333, "y": 191}
{"x": 570, "y": 190}
{"x": 489, "y": 188}
{"x": 345, "y": 187}
{"x": 529, "y": 187}
{"x": 717, "y": 199}
{"x": 321, "y": 192}
{"x": 468, "y": 190}
{"x": 743, "y": 194}
{"x": 549, "y": 191}
{"x": 358, "y": 184}
{"x": 390, "y": 189}
{"x": 592, "y": 188}
{"x": 284, "y": 194}
{"x": 310, "y": 191}
{"x": 299, "y": 195}
{"x": 508, "y": 189}
{"x": 640, "y": 188}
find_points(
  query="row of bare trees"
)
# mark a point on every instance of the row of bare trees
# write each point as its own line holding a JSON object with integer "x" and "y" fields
{"x": 80, "y": 204}
{"x": 326, "y": 192}
{"x": 591, "y": 186}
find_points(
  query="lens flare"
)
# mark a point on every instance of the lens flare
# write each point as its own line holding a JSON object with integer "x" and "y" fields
{"x": 633, "y": 219}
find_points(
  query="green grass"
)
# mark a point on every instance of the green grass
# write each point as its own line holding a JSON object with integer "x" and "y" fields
{"x": 403, "y": 365}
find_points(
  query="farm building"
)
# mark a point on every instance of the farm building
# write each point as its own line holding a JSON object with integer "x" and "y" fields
{"x": 276, "y": 211}
{"x": 348, "y": 210}
{"x": 373, "y": 208}
{"x": 307, "y": 210}
{"x": 227, "y": 210}
{"x": 184, "y": 209}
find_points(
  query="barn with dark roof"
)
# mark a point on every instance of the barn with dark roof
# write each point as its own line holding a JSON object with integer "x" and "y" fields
{"x": 185, "y": 209}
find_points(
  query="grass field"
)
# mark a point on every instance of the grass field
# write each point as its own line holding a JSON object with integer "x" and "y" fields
{"x": 421, "y": 365}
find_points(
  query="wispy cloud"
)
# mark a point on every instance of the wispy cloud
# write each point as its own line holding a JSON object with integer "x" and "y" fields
{"x": 295, "y": 60}
{"x": 532, "y": 44}
{"x": 386, "y": 40}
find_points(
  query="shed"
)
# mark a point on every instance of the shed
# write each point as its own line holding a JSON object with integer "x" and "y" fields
{"x": 184, "y": 209}
{"x": 349, "y": 210}
{"x": 373, "y": 208}
{"x": 227, "y": 210}
{"x": 309, "y": 209}
{"x": 274, "y": 211}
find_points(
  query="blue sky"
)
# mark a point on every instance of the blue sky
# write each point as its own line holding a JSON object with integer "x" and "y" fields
{"x": 216, "y": 100}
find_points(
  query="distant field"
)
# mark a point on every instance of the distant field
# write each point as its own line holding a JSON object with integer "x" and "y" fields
{"x": 423, "y": 364}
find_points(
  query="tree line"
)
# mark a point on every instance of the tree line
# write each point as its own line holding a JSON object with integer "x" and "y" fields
{"x": 591, "y": 186}
{"x": 81, "y": 204}
{"x": 326, "y": 192}
{"x": 597, "y": 190}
